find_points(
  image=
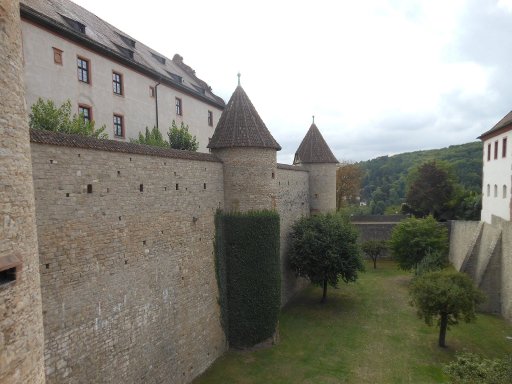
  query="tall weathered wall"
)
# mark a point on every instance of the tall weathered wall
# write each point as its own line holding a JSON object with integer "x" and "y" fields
{"x": 293, "y": 203}
{"x": 484, "y": 251}
{"x": 21, "y": 326}
{"x": 322, "y": 183}
{"x": 127, "y": 266}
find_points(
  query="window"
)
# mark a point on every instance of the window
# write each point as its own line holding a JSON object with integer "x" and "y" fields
{"x": 118, "y": 126}
{"x": 488, "y": 190}
{"x": 57, "y": 56}
{"x": 488, "y": 152}
{"x": 210, "y": 118}
{"x": 496, "y": 149}
{"x": 179, "y": 107}
{"x": 117, "y": 83}
{"x": 504, "y": 191}
{"x": 84, "y": 69}
{"x": 85, "y": 110}
{"x": 504, "y": 147}
{"x": 495, "y": 190}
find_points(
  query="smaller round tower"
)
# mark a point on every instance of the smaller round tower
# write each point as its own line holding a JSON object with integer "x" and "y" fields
{"x": 248, "y": 151}
{"x": 315, "y": 155}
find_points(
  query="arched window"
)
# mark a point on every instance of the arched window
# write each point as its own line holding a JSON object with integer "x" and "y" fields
{"x": 495, "y": 190}
{"x": 488, "y": 190}
{"x": 504, "y": 191}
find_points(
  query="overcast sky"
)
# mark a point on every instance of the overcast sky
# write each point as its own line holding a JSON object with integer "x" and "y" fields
{"x": 381, "y": 76}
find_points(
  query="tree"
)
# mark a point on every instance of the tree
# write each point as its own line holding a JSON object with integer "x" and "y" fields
{"x": 412, "y": 239}
{"x": 151, "y": 137}
{"x": 324, "y": 249}
{"x": 431, "y": 190}
{"x": 374, "y": 249}
{"x": 445, "y": 296}
{"x": 44, "y": 114}
{"x": 180, "y": 138}
{"x": 348, "y": 183}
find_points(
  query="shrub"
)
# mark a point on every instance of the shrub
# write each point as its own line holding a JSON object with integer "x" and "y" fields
{"x": 469, "y": 368}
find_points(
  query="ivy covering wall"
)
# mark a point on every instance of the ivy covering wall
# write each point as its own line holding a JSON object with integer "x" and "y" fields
{"x": 248, "y": 274}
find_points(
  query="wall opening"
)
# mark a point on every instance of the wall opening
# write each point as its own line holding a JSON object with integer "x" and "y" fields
{"x": 7, "y": 275}
{"x": 141, "y": 187}
{"x": 89, "y": 188}
{"x": 177, "y": 186}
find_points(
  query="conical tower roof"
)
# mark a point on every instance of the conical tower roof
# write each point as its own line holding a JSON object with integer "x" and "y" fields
{"x": 314, "y": 149}
{"x": 241, "y": 126}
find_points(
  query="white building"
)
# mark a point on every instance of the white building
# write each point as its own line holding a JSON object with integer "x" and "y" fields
{"x": 497, "y": 171}
{"x": 111, "y": 78}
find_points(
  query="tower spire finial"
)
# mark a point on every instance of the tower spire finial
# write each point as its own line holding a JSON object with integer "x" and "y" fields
{"x": 239, "y": 78}
{"x": 313, "y": 119}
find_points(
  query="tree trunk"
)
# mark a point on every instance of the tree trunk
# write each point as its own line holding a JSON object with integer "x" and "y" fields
{"x": 374, "y": 263}
{"x": 324, "y": 297}
{"x": 442, "y": 329}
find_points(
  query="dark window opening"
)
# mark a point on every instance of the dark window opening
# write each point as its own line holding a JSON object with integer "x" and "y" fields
{"x": 204, "y": 185}
{"x": 119, "y": 127}
{"x": 117, "y": 83}
{"x": 67, "y": 194}
{"x": 504, "y": 147}
{"x": 143, "y": 242}
{"x": 47, "y": 266}
{"x": 89, "y": 188}
{"x": 495, "y": 149}
{"x": 177, "y": 186}
{"x": 273, "y": 175}
{"x": 141, "y": 187}
{"x": 210, "y": 118}
{"x": 83, "y": 70}
{"x": 488, "y": 152}
{"x": 179, "y": 107}
{"x": 7, "y": 275}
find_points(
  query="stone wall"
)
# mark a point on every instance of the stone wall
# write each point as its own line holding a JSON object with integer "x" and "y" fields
{"x": 322, "y": 186}
{"x": 127, "y": 266}
{"x": 484, "y": 251}
{"x": 21, "y": 326}
{"x": 293, "y": 203}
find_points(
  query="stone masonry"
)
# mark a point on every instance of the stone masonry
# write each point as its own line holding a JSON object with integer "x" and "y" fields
{"x": 21, "y": 327}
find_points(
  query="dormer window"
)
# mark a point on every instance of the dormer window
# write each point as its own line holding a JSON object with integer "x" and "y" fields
{"x": 74, "y": 24}
{"x": 175, "y": 77}
{"x": 125, "y": 51}
{"x": 129, "y": 42}
{"x": 158, "y": 58}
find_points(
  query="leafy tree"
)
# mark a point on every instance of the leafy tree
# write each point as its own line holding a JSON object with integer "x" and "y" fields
{"x": 44, "y": 114}
{"x": 324, "y": 249}
{"x": 431, "y": 190}
{"x": 412, "y": 239}
{"x": 180, "y": 138}
{"x": 469, "y": 368}
{"x": 348, "y": 183}
{"x": 445, "y": 296}
{"x": 151, "y": 137}
{"x": 433, "y": 261}
{"x": 374, "y": 249}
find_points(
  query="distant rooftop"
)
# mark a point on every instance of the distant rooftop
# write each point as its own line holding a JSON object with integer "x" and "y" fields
{"x": 314, "y": 149}
{"x": 82, "y": 26}
{"x": 241, "y": 126}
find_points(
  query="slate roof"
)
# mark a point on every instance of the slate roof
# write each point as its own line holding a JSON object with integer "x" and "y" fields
{"x": 507, "y": 120}
{"x": 80, "y": 141}
{"x": 314, "y": 149}
{"x": 241, "y": 126}
{"x": 76, "y": 23}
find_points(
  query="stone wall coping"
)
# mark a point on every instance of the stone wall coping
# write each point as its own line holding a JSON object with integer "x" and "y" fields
{"x": 291, "y": 167}
{"x": 78, "y": 141}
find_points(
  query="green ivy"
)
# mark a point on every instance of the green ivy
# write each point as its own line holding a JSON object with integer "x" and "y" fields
{"x": 248, "y": 274}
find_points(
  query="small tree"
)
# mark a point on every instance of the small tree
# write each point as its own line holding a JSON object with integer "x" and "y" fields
{"x": 445, "y": 296}
{"x": 412, "y": 239}
{"x": 180, "y": 138}
{"x": 348, "y": 183}
{"x": 44, "y": 114}
{"x": 374, "y": 249}
{"x": 151, "y": 137}
{"x": 324, "y": 249}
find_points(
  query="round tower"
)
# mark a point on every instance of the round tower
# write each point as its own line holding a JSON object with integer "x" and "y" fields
{"x": 248, "y": 151}
{"x": 315, "y": 155}
{"x": 21, "y": 323}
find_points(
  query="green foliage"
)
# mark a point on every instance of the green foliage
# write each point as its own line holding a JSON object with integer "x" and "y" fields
{"x": 412, "y": 239}
{"x": 44, "y": 114}
{"x": 247, "y": 252}
{"x": 469, "y": 368}
{"x": 389, "y": 174}
{"x": 220, "y": 270}
{"x": 180, "y": 138}
{"x": 151, "y": 137}
{"x": 431, "y": 190}
{"x": 444, "y": 296}
{"x": 374, "y": 249}
{"x": 324, "y": 249}
{"x": 433, "y": 261}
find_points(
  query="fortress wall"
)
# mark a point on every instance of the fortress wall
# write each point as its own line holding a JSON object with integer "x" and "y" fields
{"x": 293, "y": 203}
{"x": 506, "y": 271}
{"x": 128, "y": 279}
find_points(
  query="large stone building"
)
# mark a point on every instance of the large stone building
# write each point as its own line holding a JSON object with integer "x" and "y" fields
{"x": 113, "y": 79}
{"x": 497, "y": 171}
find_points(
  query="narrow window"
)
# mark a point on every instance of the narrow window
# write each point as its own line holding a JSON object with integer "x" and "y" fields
{"x": 496, "y": 149}
{"x": 84, "y": 69}
{"x": 85, "y": 112}
{"x": 117, "y": 83}
{"x": 210, "y": 118}
{"x": 151, "y": 91}
{"x": 488, "y": 152}
{"x": 179, "y": 107}
{"x": 141, "y": 187}
{"x": 504, "y": 191}
{"x": 504, "y": 147}
{"x": 57, "y": 56}
{"x": 488, "y": 190}
{"x": 89, "y": 188}
{"x": 118, "y": 126}
{"x": 495, "y": 190}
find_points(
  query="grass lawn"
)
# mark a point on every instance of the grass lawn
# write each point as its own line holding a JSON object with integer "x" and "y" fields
{"x": 365, "y": 333}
